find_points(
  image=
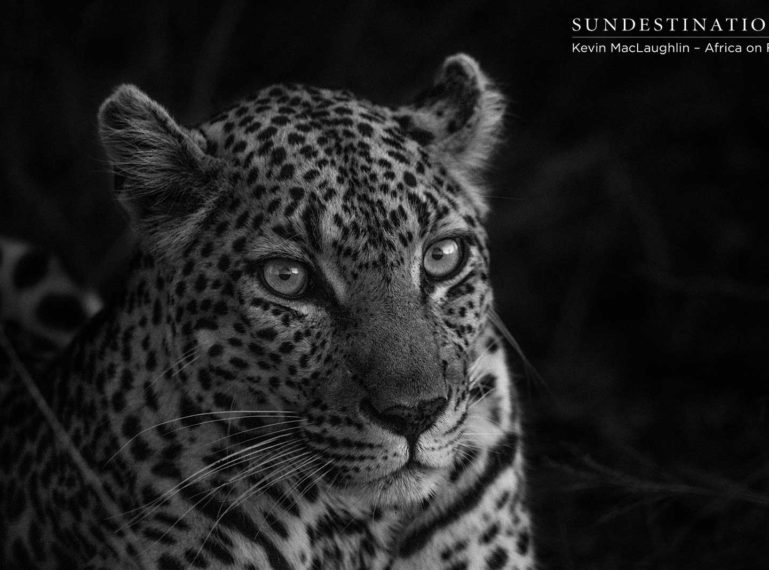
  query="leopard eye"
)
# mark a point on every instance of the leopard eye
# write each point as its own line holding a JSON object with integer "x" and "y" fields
{"x": 285, "y": 277}
{"x": 444, "y": 258}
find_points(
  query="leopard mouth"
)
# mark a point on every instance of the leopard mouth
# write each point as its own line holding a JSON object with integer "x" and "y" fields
{"x": 411, "y": 481}
{"x": 411, "y": 472}
{"x": 412, "y": 468}
{"x": 380, "y": 459}
{"x": 408, "y": 484}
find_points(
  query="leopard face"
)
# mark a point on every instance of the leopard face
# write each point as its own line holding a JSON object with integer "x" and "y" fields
{"x": 323, "y": 258}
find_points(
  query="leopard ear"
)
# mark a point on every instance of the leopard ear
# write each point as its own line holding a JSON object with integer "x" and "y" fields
{"x": 162, "y": 175}
{"x": 459, "y": 117}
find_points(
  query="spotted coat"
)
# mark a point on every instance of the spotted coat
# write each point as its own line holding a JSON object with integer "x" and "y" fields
{"x": 302, "y": 370}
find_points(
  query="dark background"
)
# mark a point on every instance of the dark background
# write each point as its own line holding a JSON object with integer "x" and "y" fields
{"x": 629, "y": 244}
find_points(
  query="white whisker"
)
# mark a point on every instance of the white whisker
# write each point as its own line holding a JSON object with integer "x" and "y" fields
{"x": 208, "y": 470}
{"x": 250, "y": 492}
{"x": 245, "y": 414}
{"x": 206, "y": 495}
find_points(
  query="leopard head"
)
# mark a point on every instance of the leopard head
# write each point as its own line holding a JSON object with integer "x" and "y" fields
{"x": 323, "y": 257}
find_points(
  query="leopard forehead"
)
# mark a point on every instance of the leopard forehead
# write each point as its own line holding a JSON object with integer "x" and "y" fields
{"x": 313, "y": 165}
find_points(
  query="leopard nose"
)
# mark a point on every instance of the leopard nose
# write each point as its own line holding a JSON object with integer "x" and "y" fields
{"x": 408, "y": 421}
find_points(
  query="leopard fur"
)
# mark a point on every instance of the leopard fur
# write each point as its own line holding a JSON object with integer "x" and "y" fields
{"x": 211, "y": 416}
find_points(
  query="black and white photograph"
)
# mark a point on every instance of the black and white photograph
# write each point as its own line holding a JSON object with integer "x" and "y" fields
{"x": 366, "y": 285}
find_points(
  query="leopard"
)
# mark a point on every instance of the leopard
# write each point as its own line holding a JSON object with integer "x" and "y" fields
{"x": 303, "y": 368}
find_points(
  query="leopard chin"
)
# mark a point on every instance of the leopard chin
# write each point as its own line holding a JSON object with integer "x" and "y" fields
{"x": 406, "y": 486}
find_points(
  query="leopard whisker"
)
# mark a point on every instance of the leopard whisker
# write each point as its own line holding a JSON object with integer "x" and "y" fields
{"x": 245, "y": 414}
{"x": 479, "y": 400}
{"x": 483, "y": 396}
{"x": 248, "y": 430}
{"x": 231, "y": 460}
{"x": 295, "y": 487}
{"x": 146, "y": 512}
{"x": 277, "y": 457}
{"x": 195, "y": 477}
{"x": 249, "y": 492}
{"x": 316, "y": 477}
{"x": 530, "y": 372}
{"x": 286, "y": 456}
{"x": 306, "y": 476}
{"x": 187, "y": 357}
{"x": 211, "y": 492}
{"x": 477, "y": 362}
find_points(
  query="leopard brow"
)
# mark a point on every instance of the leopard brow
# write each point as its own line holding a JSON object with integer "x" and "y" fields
{"x": 285, "y": 247}
{"x": 450, "y": 232}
